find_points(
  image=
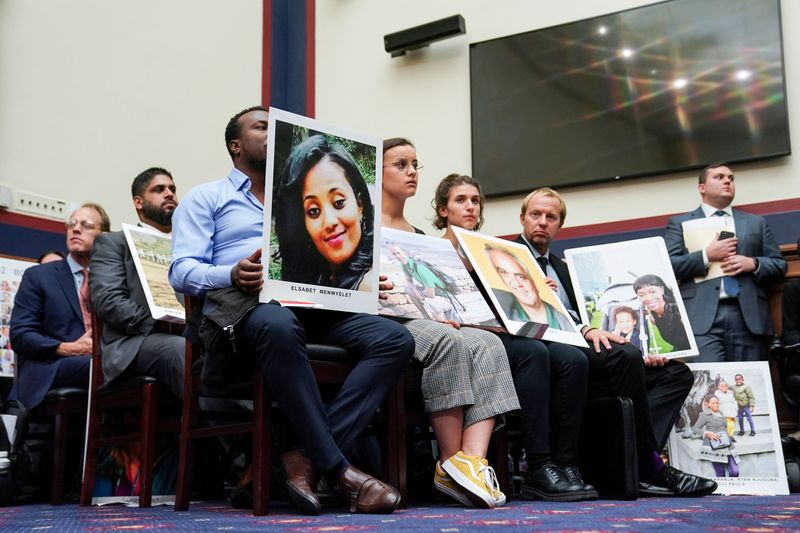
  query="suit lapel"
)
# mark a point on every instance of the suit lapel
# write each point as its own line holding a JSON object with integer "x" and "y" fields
{"x": 740, "y": 221}
{"x": 66, "y": 281}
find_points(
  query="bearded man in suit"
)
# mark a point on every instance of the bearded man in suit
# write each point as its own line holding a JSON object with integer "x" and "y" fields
{"x": 134, "y": 343}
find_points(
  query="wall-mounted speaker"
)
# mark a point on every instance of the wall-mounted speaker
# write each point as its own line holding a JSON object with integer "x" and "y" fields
{"x": 398, "y": 43}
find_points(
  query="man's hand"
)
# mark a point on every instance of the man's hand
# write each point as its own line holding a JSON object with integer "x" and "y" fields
{"x": 248, "y": 273}
{"x": 598, "y": 336}
{"x": 384, "y": 285}
{"x": 550, "y": 282}
{"x": 721, "y": 249}
{"x": 81, "y": 346}
{"x": 738, "y": 264}
{"x": 655, "y": 360}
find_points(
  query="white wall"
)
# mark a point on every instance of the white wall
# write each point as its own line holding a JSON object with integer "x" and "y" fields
{"x": 425, "y": 96}
{"x": 94, "y": 91}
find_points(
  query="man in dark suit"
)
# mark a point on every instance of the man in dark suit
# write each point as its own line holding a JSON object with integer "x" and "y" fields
{"x": 51, "y": 321}
{"x": 133, "y": 342}
{"x": 729, "y": 316}
{"x": 657, "y": 386}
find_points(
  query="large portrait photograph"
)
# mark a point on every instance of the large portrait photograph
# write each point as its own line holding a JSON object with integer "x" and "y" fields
{"x": 728, "y": 429}
{"x": 629, "y": 288}
{"x": 322, "y": 227}
{"x": 516, "y": 286}
{"x": 430, "y": 281}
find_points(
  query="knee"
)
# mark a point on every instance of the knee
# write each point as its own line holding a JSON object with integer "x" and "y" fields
{"x": 274, "y": 323}
{"x": 531, "y": 354}
{"x": 570, "y": 358}
{"x": 683, "y": 376}
{"x": 395, "y": 339}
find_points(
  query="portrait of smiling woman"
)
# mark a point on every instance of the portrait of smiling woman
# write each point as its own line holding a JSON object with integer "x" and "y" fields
{"x": 324, "y": 217}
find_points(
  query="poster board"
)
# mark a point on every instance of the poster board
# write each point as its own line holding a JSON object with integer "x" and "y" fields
{"x": 430, "y": 281}
{"x": 629, "y": 288}
{"x": 322, "y": 227}
{"x": 11, "y": 271}
{"x": 753, "y": 461}
{"x": 515, "y": 283}
{"x": 152, "y": 255}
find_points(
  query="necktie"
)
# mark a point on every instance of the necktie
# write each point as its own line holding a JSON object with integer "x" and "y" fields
{"x": 86, "y": 301}
{"x": 542, "y": 263}
{"x": 731, "y": 285}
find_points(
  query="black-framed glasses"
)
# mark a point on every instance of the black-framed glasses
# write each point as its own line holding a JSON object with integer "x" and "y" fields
{"x": 402, "y": 164}
{"x": 85, "y": 224}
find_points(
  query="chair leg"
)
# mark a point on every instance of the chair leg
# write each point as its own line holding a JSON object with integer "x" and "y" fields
{"x": 60, "y": 432}
{"x": 501, "y": 459}
{"x": 147, "y": 443}
{"x": 90, "y": 453}
{"x": 395, "y": 452}
{"x": 261, "y": 446}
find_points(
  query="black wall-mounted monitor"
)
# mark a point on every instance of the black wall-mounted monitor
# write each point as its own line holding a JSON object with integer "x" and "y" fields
{"x": 661, "y": 88}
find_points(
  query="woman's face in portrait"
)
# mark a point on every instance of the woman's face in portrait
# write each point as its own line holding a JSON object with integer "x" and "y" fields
{"x": 463, "y": 208}
{"x": 713, "y": 404}
{"x": 515, "y": 278}
{"x": 400, "y": 172}
{"x": 652, "y": 297}
{"x": 332, "y": 213}
{"x": 625, "y": 322}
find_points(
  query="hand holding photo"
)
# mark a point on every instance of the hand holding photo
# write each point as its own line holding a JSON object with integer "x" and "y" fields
{"x": 629, "y": 288}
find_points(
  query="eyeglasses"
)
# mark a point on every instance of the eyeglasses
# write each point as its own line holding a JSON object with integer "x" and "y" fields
{"x": 85, "y": 224}
{"x": 402, "y": 164}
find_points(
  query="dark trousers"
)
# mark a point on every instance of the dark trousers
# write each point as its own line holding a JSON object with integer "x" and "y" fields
{"x": 744, "y": 410}
{"x": 729, "y": 339}
{"x": 277, "y": 336}
{"x": 550, "y": 381}
{"x": 790, "y": 312}
{"x": 161, "y": 356}
{"x": 620, "y": 371}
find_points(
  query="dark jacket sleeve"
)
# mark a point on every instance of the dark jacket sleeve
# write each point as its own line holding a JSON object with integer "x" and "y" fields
{"x": 28, "y": 337}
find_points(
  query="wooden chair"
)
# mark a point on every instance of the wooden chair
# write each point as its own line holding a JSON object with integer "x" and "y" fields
{"x": 139, "y": 395}
{"x": 65, "y": 407}
{"x": 331, "y": 365}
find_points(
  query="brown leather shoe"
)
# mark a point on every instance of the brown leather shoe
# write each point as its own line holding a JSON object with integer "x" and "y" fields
{"x": 365, "y": 494}
{"x": 301, "y": 481}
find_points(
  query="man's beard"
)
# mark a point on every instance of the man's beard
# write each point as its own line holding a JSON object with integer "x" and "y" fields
{"x": 160, "y": 216}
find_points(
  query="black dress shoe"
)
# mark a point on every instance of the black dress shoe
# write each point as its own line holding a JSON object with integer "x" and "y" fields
{"x": 752, "y": 433}
{"x": 549, "y": 483}
{"x": 573, "y": 475}
{"x": 672, "y": 482}
{"x": 741, "y": 433}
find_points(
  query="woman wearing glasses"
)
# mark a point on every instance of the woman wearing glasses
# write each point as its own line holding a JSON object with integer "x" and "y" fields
{"x": 550, "y": 379}
{"x": 466, "y": 382}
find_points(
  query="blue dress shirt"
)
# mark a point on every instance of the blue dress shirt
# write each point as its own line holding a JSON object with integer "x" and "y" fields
{"x": 215, "y": 226}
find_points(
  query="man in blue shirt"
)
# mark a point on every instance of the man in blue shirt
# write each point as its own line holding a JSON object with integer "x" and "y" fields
{"x": 217, "y": 235}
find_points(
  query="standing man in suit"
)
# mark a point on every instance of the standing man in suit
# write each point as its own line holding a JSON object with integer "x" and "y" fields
{"x": 51, "y": 326}
{"x": 133, "y": 343}
{"x": 730, "y": 316}
{"x": 657, "y": 386}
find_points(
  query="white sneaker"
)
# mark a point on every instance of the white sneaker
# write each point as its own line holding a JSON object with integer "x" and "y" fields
{"x": 490, "y": 479}
{"x": 471, "y": 474}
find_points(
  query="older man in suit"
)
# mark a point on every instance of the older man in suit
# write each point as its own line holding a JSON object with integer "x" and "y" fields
{"x": 656, "y": 385}
{"x": 51, "y": 321}
{"x": 730, "y": 316}
{"x": 133, "y": 342}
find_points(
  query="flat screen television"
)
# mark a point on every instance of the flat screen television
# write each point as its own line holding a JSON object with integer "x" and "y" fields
{"x": 662, "y": 88}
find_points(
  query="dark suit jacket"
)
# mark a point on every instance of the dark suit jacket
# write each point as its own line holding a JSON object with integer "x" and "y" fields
{"x": 46, "y": 313}
{"x": 118, "y": 298}
{"x": 562, "y": 271}
{"x": 701, "y": 299}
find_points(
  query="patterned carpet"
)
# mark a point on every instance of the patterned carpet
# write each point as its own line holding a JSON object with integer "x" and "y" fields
{"x": 716, "y": 513}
